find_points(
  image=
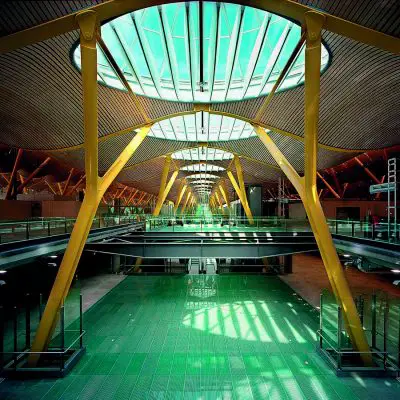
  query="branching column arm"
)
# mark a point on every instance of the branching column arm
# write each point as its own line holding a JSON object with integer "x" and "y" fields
{"x": 95, "y": 186}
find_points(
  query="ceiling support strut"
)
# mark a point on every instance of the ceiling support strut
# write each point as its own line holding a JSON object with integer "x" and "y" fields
{"x": 240, "y": 189}
{"x": 188, "y": 195}
{"x": 225, "y": 194}
{"x": 95, "y": 186}
{"x": 181, "y": 192}
{"x": 307, "y": 186}
{"x": 163, "y": 186}
{"x": 329, "y": 187}
{"x": 32, "y": 175}
{"x": 13, "y": 175}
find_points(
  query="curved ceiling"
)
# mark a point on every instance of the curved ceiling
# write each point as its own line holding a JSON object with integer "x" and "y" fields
{"x": 40, "y": 106}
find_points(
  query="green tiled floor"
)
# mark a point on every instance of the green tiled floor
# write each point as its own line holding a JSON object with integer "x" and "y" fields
{"x": 201, "y": 337}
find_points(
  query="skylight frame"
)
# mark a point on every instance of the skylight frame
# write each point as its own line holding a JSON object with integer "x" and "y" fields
{"x": 202, "y": 167}
{"x": 159, "y": 52}
{"x": 202, "y": 153}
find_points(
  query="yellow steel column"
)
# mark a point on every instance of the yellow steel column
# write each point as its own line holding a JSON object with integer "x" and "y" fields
{"x": 307, "y": 188}
{"x": 186, "y": 202}
{"x": 163, "y": 183}
{"x": 179, "y": 197}
{"x": 314, "y": 24}
{"x": 169, "y": 185}
{"x": 240, "y": 195}
{"x": 219, "y": 202}
{"x": 225, "y": 194}
{"x": 95, "y": 186}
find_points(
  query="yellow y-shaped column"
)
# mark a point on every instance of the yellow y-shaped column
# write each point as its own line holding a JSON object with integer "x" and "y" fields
{"x": 242, "y": 197}
{"x": 307, "y": 187}
{"x": 189, "y": 194}
{"x": 165, "y": 193}
{"x": 163, "y": 183}
{"x": 219, "y": 202}
{"x": 95, "y": 186}
{"x": 225, "y": 194}
{"x": 179, "y": 197}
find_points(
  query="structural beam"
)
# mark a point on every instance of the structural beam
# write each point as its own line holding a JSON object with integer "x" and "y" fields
{"x": 131, "y": 197}
{"x": 95, "y": 186}
{"x": 163, "y": 183}
{"x": 21, "y": 187}
{"x": 225, "y": 194}
{"x": 169, "y": 185}
{"x": 188, "y": 195}
{"x": 71, "y": 173}
{"x": 75, "y": 187}
{"x": 307, "y": 186}
{"x": 13, "y": 174}
{"x": 240, "y": 188}
{"x": 219, "y": 202}
{"x": 330, "y": 188}
{"x": 282, "y": 75}
{"x": 367, "y": 170}
{"x": 181, "y": 192}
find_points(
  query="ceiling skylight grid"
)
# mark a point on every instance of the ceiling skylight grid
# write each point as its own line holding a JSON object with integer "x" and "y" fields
{"x": 158, "y": 50}
{"x": 202, "y": 127}
{"x": 202, "y": 153}
{"x": 202, "y": 175}
{"x": 202, "y": 167}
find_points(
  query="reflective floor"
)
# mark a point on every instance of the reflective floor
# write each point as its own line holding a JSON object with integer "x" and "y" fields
{"x": 201, "y": 337}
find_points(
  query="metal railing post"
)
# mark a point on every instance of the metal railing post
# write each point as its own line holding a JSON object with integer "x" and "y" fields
{"x": 352, "y": 228}
{"x": 81, "y": 320}
{"x": 62, "y": 329}
{"x": 1, "y": 336}
{"x": 339, "y": 338}
{"x": 373, "y": 322}
{"x": 385, "y": 332}
{"x": 48, "y": 228}
{"x": 336, "y": 226}
{"x": 320, "y": 320}
{"x": 27, "y": 322}
{"x": 65, "y": 224}
{"x": 27, "y": 230}
{"x": 15, "y": 335}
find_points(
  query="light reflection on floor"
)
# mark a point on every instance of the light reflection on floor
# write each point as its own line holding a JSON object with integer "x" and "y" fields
{"x": 201, "y": 337}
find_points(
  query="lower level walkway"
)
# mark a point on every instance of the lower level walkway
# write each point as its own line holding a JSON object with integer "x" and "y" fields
{"x": 201, "y": 337}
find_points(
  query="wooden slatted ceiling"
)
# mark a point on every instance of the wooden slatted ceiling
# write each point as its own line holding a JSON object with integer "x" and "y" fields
{"x": 359, "y": 98}
{"x": 40, "y": 106}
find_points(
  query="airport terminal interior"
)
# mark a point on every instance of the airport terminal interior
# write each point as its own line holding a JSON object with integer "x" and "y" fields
{"x": 198, "y": 200}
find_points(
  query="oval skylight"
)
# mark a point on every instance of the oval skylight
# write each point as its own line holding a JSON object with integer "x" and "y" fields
{"x": 202, "y": 127}
{"x": 240, "y": 55}
{"x": 202, "y": 167}
{"x": 202, "y": 182}
{"x": 202, "y": 176}
{"x": 202, "y": 153}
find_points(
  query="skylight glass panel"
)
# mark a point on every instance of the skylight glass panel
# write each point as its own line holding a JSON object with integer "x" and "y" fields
{"x": 202, "y": 182}
{"x": 205, "y": 176}
{"x": 203, "y": 167}
{"x": 202, "y": 153}
{"x": 202, "y": 127}
{"x": 244, "y": 51}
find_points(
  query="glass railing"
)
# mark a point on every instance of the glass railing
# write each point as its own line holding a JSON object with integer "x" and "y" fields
{"x": 193, "y": 223}
{"x": 12, "y": 231}
{"x": 41, "y": 227}
{"x": 379, "y": 315}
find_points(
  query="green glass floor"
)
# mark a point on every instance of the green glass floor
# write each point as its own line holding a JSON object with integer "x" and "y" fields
{"x": 201, "y": 337}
